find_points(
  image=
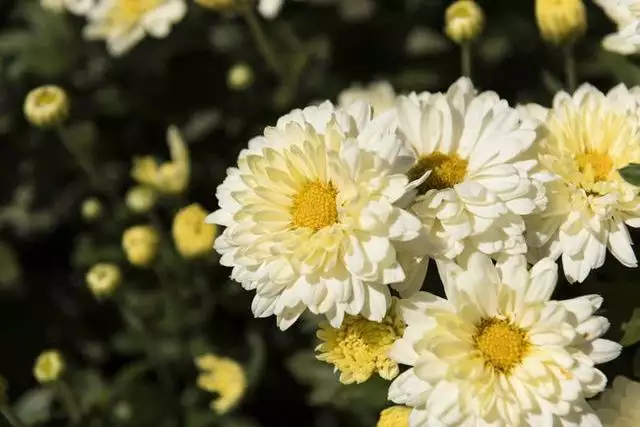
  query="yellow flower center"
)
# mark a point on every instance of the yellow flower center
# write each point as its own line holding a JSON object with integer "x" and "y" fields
{"x": 360, "y": 347}
{"x": 47, "y": 97}
{"x": 127, "y": 12}
{"x": 395, "y": 416}
{"x": 315, "y": 206}
{"x": 503, "y": 345}
{"x": 447, "y": 170}
{"x": 599, "y": 164}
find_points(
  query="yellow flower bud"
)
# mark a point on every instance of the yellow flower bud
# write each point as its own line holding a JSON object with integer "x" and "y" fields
{"x": 46, "y": 106}
{"x": 91, "y": 209}
{"x": 218, "y": 4}
{"x": 464, "y": 21}
{"x": 140, "y": 244}
{"x": 49, "y": 366}
{"x": 224, "y": 377}
{"x": 395, "y": 416}
{"x": 240, "y": 76}
{"x": 140, "y": 199}
{"x": 561, "y": 21}
{"x": 103, "y": 279}
{"x": 192, "y": 236}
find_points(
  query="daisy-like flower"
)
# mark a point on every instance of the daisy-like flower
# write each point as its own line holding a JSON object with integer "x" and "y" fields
{"x": 480, "y": 184}
{"x": 310, "y": 216}
{"x": 585, "y": 138}
{"x": 124, "y": 23}
{"x": 618, "y": 406}
{"x": 626, "y": 15}
{"x": 497, "y": 352}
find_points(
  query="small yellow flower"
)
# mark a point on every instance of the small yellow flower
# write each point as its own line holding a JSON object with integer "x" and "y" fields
{"x": 49, "y": 366}
{"x": 192, "y": 236}
{"x": 140, "y": 243}
{"x": 359, "y": 348}
{"x": 240, "y": 76}
{"x": 218, "y": 4}
{"x": 222, "y": 376}
{"x": 91, "y": 209}
{"x": 394, "y": 416}
{"x": 103, "y": 279}
{"x": 46, "y": 106}
{"x": 464, "y": 21}
{"x": 561, "y": 21}
{"x": 141, "y": 198}
{"x": 170, "y": 177}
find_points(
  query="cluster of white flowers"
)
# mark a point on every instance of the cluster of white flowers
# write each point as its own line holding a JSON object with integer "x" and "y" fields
{"x": 336, "y": 209}
{"x": 626, "y": 15}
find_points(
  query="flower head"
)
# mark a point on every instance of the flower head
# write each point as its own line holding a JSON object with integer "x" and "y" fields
{"x": 467, "y": 157}
{"x": 222, "y": 376}
{"x": 626, "y": 15}
{"x": 49, "y": 366}
{"x": 103, "y": 279}
{"x": 464, "y": 21}
{"x": 497, "y": 351}
{"x": 561, "y": 22}
{"x": 124, "y": 23}
{"x": 359, "y": 347}
{"x": 192, "y": 236}
{"x": 46, "y": 106}
{"x": 141, "y": 198}
{"x": 380, "y": 95}
{"x": 140, "y": 244}
{"x": 618, "y": 406}
{"x": 585, "y": 139}
{"x": 394, "y": 416}
{"x": 310, "y": 216}
{"x": 170, "y": 177}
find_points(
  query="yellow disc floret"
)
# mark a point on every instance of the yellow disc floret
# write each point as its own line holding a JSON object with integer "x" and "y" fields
{"x": 447, "y": 170}
{"x": 315, "y": 206}
{"x": 502, "y": 344}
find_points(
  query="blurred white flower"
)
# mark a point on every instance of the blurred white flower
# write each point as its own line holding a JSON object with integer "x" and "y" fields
{"x": 270, "y": 8}
{"x": 310, "y": 217}
{"x": 497, "y": 352}
{"x": 54, "y": 5}
{"x": 124, "y": 23}
{"x": 618, "y": 406}
{"x": 585, "y": 139}
{"x": 626, "y": 15}
{"x": 380, "y": 95}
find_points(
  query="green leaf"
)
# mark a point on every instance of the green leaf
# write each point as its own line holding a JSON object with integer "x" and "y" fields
{"x": 620, "y": 67}
{"x": 631, "y": 173}
{"x": 35, "y": 405}
{"x": 200, "y": 418}
{"x": 631, "y": 329}
{"x": 91, "y": 389}
{"x": 10, "y": 269}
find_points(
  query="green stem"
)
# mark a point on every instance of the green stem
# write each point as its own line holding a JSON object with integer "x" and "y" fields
{"x": 570, "y": 70}
{"x": 264, "y": 45}
{"x": 466, "y": 59}
{"x": 13, "y": 419}
{"x": 69, "y": 402}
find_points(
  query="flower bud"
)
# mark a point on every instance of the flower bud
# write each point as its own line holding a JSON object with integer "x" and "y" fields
{"x": 140, "y": 244}
{"x": 103, "y": 279}
{"x": 464, "y": 21}
{"x": 91, "y": 209}
{"x": 192, "y": 236}
{"x": 49, "y": 366}
{"x": 46, "y": 106}
{"x": 561, "y": 22}
{"x": 240, "y": 76}
{"x": 141, "y": 199}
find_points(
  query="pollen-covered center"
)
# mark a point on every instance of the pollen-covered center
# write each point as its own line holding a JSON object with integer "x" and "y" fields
{"x": 315, "y": 206}
{"x": 598, "y": 164}
{"x": 127, "y": 12}
{"x": 503, "y": 345}
{"x": 447, "y": 170}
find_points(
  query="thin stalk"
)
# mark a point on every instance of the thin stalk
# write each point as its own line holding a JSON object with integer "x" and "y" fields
{"x": 466, "y": 59}
{"x": 11, "y": 416}
{"x": 69, "y": 402}
{"x": 570, "y": 70}
{"x": 264, "y": 45}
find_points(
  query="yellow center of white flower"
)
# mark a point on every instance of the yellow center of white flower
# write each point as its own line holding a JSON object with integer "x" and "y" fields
{"x": 447, "y": 170}
{"x": 315, "y": 206}
{"x": 503, "y": 345}
{"x": 127, "y": 12}
{"x": 598, "y": 164}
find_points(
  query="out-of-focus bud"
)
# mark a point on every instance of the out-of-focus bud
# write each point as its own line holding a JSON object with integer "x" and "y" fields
{"x": 46, "y": 106}
{"x": 141, "y": 199}
{"x": 103, "y": 279}
{"x": 464, "y": 21}
{"x": 91, "y": 209}
{"x": 240, "y": 76}
{"x": 48, "y": 367}
{"x": 561, "y": 22}
{"x": 140, "y": 244}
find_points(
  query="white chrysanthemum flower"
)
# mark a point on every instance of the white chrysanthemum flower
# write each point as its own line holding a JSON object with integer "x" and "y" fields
{"x": 124, "y": 23}
{"x": 626, "y": 15}
{"x": 585, "y": 139}
{"x": 480, "y": 183}
{"x": 380, "y": 95}
{"x": 310, "y": 220}
{"x": 497, "y": 352}
{"x": 618, "y": 406}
